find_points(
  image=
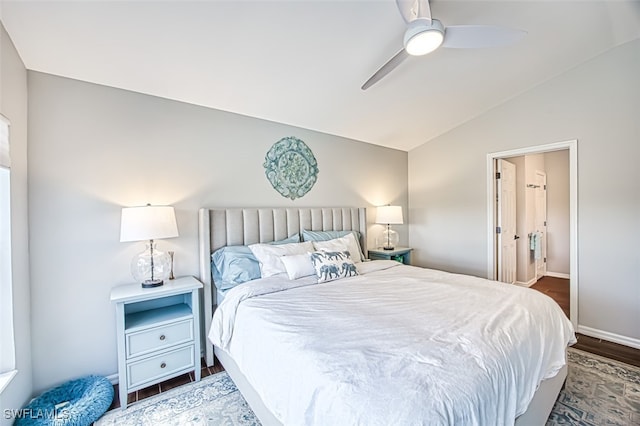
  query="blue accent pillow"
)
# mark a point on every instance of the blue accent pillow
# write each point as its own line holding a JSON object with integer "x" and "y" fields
{"x": 326, "y": 235}
{"x": 292, "y": 239}
{"x": 233, "y": 265}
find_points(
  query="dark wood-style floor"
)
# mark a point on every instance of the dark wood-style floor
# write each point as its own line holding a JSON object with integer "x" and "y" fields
{"x": 556, "y": 288}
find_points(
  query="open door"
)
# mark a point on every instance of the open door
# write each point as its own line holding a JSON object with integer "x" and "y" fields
{"x": 506, "y": 221}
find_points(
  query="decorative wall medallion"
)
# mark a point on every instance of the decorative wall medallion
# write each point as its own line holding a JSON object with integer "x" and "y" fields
{"x": 291, "y": 167}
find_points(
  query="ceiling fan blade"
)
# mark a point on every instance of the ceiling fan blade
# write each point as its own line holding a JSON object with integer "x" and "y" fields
{"x": 478, "y": 36}
{"x": 386, "y": 69}
{"x": 414, "y": 9}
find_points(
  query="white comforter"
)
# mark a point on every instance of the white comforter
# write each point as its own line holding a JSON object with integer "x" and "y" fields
{"x": 396, "y": 345}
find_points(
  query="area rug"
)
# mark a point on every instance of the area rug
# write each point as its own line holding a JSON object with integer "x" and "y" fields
{"x": 598, "y": 391}
{"x": 214, "y": 400}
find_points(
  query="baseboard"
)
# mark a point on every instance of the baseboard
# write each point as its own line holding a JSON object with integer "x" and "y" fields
{"x": 547, "y": 274}
{"x": 113, "y": 378}
{"x": 611, "y": 337}
{"x": 527, "y": 284}
{"x": 557, "y": 275}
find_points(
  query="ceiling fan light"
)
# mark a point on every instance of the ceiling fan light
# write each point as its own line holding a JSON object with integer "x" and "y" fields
{"x": 424, "y": 42}
{"x": 423, "y": 36}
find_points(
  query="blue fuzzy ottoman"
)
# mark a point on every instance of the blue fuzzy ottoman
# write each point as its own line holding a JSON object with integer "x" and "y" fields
{"x": 78, "y": 402}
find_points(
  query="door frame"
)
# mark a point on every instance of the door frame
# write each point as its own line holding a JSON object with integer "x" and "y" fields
{"x": 572, "y": 146}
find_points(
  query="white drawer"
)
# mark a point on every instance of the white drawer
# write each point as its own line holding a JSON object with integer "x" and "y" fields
{"x": 154, "y": 368}
{"x": 159, "y": 338}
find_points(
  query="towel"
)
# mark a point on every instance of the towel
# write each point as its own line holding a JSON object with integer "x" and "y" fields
{"x": 536, "y": 245}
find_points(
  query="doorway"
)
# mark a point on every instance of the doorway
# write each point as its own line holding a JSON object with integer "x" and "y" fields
{"x": 493, "y": 249}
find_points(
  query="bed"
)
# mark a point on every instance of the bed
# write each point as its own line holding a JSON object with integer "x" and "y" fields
{"x": 393, "y": 344}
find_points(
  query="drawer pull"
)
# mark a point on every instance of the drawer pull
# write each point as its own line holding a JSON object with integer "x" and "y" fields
{"x": 163, "y": 365}
{"x": 162, "y": 337}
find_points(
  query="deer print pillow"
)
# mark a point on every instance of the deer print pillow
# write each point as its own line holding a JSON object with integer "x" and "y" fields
{"x": 333, "y": 265}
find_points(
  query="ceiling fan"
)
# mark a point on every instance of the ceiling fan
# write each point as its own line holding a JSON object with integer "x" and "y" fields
{"x": 425, "y": 34}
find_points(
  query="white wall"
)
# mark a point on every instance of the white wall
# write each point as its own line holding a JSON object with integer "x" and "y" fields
{"x": 596, "y": 103}
{"x": 94, "y": 149}
{"x": 533, "y": 163}
{"x": 557, "y": 168}
{"x": 13, "y": 105}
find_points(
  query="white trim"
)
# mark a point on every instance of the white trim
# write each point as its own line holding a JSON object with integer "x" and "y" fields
{"x": 7, "y": 329}
{"x": 572, "y": 146}
{"x": 491, "y": 217}
{"x": 558, "y": 275}
{"x": 527, "y": 284}
{"x": 548, "y": 274}
{"x": 573, "y": 232}
{"x": 113, "y": 378}
{"x": 610, "y": 337}
{"x": 5, "y": 379}
{"x": 5, "y": 152}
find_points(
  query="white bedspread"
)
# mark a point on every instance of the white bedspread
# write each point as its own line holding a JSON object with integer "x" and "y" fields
{"x": 396, "y": 345}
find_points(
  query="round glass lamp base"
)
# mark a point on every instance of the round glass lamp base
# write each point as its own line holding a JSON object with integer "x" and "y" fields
{"x": 152, "y": 283}
{"x": 151, "y": 267}
{"x": 390, "y": 239}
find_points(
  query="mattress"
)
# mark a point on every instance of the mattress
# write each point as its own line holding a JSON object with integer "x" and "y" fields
{"x": 394, "y": 345}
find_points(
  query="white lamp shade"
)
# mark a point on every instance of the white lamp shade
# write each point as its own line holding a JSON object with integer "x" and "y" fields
{"x": 148, "y": 223}
{"x": 389, "y": 215}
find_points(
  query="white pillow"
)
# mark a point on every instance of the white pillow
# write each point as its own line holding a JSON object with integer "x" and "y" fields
{"x": 269, "y": 255}
{"x": 333, "y": 265}
{"x": 298, "y": 265}
{"x": 348, "y": 243}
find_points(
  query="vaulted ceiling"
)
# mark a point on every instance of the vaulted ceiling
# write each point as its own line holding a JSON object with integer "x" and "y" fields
{"x": 302, "y": 62}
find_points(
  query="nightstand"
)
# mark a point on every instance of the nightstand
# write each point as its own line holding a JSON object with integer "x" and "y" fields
{"x": 400, "y": 254}
{"x": 158, "y": 332}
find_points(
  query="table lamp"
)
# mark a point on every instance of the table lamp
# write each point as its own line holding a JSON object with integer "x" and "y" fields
{"x": 152, "y": 266}
{"x": 389, "y": 215}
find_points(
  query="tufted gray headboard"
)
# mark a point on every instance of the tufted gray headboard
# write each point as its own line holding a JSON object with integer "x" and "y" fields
{"x": 244, "y": 226}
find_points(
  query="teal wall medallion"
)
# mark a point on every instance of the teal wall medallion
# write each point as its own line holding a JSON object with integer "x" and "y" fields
{"x": 291, "y": 167}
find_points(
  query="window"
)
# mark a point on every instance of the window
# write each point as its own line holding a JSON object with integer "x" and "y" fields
{"x": 7, "y": 343}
